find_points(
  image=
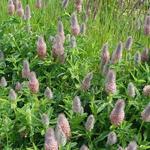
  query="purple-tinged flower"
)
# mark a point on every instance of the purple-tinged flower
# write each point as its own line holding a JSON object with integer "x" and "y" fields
{"x": 38, "y": 4}
{"x": 111, "y": 138}
{"x": 76, "y": 106}
{"x": 18, "y": 86}
{"x": 83, "y": 28}
{"x": 11, "y": 7}
{"x": 132, "y": 146}
{"x": 78, "y": 5}
{"x": 128, "y": 43}
{"x": 33, "y": 83}
{"x": 65, "y": 3}
{"x": 20, "y": 11}
{"x": 146, "y": 90}
{"x": 89, "y": 125}
{"x": 3, "y": 82}
{"x": 60, "y": 136}
{"x": 64, "y": 125}
{"x": 50, "y": 140}
{"x": 58, "y": 49}
{"x": 131, "y": 90}
{"x": 117, "y": 54}
{"x": 45, "y": 119}
{"x": 145, "y": 55}
{"x": 75, "y": 25}
{"x": 26, "y": 69}
{"x": 117, "y": 115}
{"x": 27, "y": 14}
{"x": 48, "y": 93}
{"x": 84, "y": 147}
{"x": 110, "y": 85}
{"x": 41, "y": 48}
{"x": 12, "y": 95}
{"x": 73, "y": 42}
{"x": 137, "y": 58}
{"x": 146, "y": 114}
{"x": 15, "y": 3}
{"x": 105, "y": 56}
{"x": 61, "y": 31}
{"x": 86, "y": 83}
{"x": 147, "y": 26}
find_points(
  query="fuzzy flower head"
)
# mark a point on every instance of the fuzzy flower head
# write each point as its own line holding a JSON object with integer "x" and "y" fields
{"x": 86, "y": 83}
{"x": 105, "y": 56}
{"x": 11, "y": 7}
{"x": 45, "y": 119}
{"x": 74, "y": 25}
{"x": 26, "y": 69}
{"x": 50, "y": 140}
{"x": 111, "y": 138}
{"x": 117, "y": 115}
{"x": 78, "y": 5}
{"x": 128, "y": 43}
{"x": 65, "y": 3}
{"x": 84, "y": 147}
{"x": 89, "y": 125}
{"x": 77, "y": 108}
{"x": 137, "y": 58}
{"x": 63, "y": 123}
{"x": 83, "y": 28}
{"x": 146, "y": 114}
{"x": 27, "y": 14}
{"x": 131, "y": 90}
{"x": 12, "y": 95}
{"x": 18, "y": 86}
{"x": 58, "y": 49}
{"x": 33, "y": 83}
{"x": 41, "y": 48}
{"x": 110, "y": 85}
{"x": 132, "y": 146}
{"x": 147, "y": 26}
{"x": 20, "y": 11}
{"x": 3, "y": 82}
{"x": 117, "y": 54}
{"x": 60, "y": 136}
{"x": 38, "y": 4}
{"x": 48, "y": 93}
{"x": 73, "y": 42}
{"x": 145, "y": 55}
{"x": 61, "y": 31}
{"x": 146, "y": 90}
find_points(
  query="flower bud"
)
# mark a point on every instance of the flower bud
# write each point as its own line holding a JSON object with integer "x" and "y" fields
{"x": 12, "y": 95}
{"x": 38, "y": 4}
{"x": 61, "y": 31}
{"x": 77, "y": 105}
{"x": 73, "y": 43}
{"x": 74, "y": 25}
{"x": 146, "y": 114}
{"x": 41, "y": 48}
{"x": 129, "y": 43}
{"x": 84, "y": 147}
{"x": 83, "y": 28}
{"x": 105, "y": 56}
{"x": 45, "y": 119}
{"x": 131, "y": 90}
{"x": 27, "y": 14}
{"x": 145, "y": 55}
{"x": 11, "y": 7}
{"x": 86, "y": 83}
{"x": 78, "y": 5}
{"x": 3, "y": 82}
{"x": 147, "y": 26}
{"x": 63, "y": 123}
{"x": 18, "y": 86}
{"x": 117, "y": 115}
{"x": 137, "y": 58}
{"x": 48, "y": 93}
{"x": 132, "y": 146}
{"x": 33, "y": 83}
{"x": 20, "y": 11}
{"x": 50, "y": 140}
{"x": 26, "y": 69}
{"x": 146, "y": 90}
{"x": 65, "y": 3}
{"x": 89, "y": 125}
{"x": 60, "y": 136}
{"x": 112, "y": 138}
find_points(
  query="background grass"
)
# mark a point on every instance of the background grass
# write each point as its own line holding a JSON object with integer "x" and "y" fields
{"x": 21, "y": 127}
